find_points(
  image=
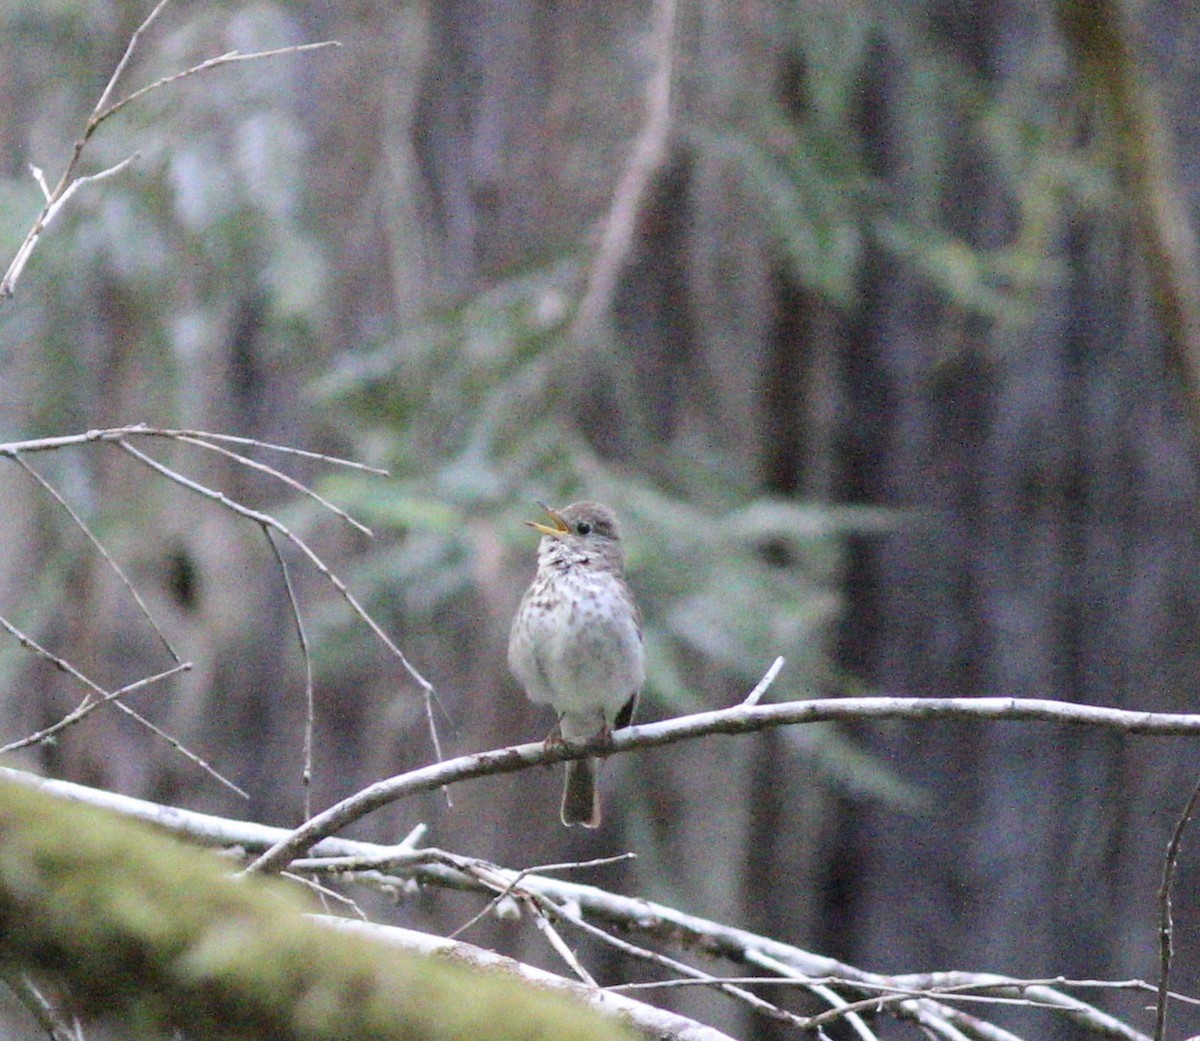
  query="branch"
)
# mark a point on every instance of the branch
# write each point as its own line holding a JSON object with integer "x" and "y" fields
{"x": 266, "y": 521}
{"x": 1166, "y": 929}
{"x": 82, "y": 525}
{"x": 1100, "y": 34}
{"x": 652, "y": 1021}
{"x": 113, "y": 698}
{"x": 740, "y": 719}
{"x": 122, "y": 436}
{"x": 649, "y": 153}
{"x": 50, "y": 444}
{"x": 630, "y": 915}
{"x": 112, "y": 910}
{"x": 69, "y": 183}
{"x": 88, "y": 705}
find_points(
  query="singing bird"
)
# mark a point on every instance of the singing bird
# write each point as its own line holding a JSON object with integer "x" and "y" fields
{"x": 576, "y": 641}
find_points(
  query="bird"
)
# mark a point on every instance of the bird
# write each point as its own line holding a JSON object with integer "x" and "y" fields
{"x": 576, "y": 641}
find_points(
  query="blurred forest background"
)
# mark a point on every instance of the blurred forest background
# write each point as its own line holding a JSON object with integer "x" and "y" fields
{"x": 894, "y": 382}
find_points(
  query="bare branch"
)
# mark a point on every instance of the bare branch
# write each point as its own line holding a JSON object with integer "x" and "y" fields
{"x": 440, "y": 868}
{"x": 268, "y": 521}
{"x": 65, "y": 666}
{"x": 1166, "y": 928}
{"x": 54, "y": 203}
{"x": 50, "y": 444}
{"x": 279, "y": 475}
{"x": 101, "y": 550}
{"x": 638, "y": 953}
{"x": 763, "y": 685}
{"x": 88, "y": 705}
{"x": 211, "y": 63}
{"x": 309, "y": 698}
{"x": 130, "y": 47}
{"x": 740, "y": 719}
{"x": 653, "y": 1022}
{"x": 69, "y": 183}
{"x": 647, "y": 157}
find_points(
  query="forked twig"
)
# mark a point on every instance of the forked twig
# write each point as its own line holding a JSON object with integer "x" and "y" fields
{"x": 16, "y": 457}
{"x": 279, "y": 475}
{"x": 644, "y": 954}
{"x": 1166, "y": 927}
{"x": 68, "y": 183}
{"x": 228, "y": 58}
{"x": 50, "y": 444}
{"x": 65, "y": 666}
{"x": 88, "y": 705}
{"x": 267, "y": 520}
{"x": 507, "y": 889}
{"x": 215, "y": 443}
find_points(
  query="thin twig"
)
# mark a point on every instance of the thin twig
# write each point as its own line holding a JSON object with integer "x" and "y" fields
{"x": 251, "y": 442}
{"x": 68, "y": 182}
{"x": 269, "y": 521}
{"x": 842, "y": 1006}
{"x": 227, "y": 58}
{"x": 88, "y": 705}
{"x": 645, "y": 159}
{"x": 1166, "y": 928}
{"x": 130, "y": 47}
{"x": 49, "y": 444}
{"x": 325, "y": 893}
{"x": 309, "y": 699}
{"x": 65, "y": 666}
{"x": 291, "y": 482}
{"x": 506, "y": 890}
{"x": 543, "y": 924}
{"x": 100, "y": 549}
{"x": 760, "y": 688}
{"x": 644, "y": 954}
{"x": 50, "y": 210}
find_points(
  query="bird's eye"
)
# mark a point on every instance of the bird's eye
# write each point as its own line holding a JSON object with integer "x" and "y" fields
{"x": 583, "y": 528}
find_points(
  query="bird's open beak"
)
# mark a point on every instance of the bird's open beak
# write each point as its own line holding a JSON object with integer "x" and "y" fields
{"x": 560, "y": 525}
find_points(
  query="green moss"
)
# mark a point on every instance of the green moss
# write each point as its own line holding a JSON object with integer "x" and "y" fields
{"x": 162, "y": 935}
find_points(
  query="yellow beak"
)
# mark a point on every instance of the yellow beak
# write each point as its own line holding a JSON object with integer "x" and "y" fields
{"x": 560, "y": 525}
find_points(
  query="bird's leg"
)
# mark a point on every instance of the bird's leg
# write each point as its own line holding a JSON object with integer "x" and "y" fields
{"x": 554, "y": 739}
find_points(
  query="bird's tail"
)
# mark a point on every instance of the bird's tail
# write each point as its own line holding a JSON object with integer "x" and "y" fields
{"x": 581, "y": 796}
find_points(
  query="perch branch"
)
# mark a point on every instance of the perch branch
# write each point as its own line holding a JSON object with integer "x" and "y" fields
{"x": 740, "y": 719}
